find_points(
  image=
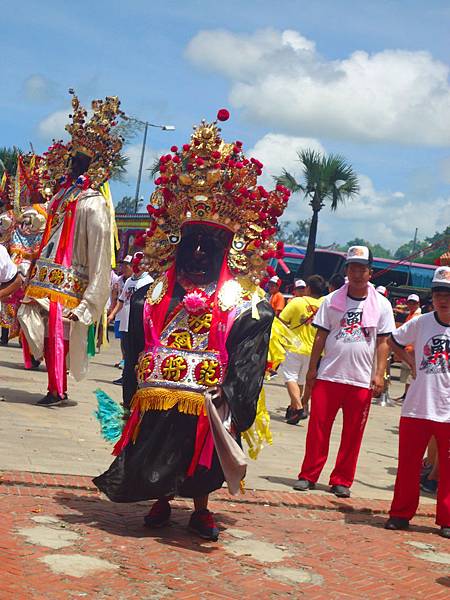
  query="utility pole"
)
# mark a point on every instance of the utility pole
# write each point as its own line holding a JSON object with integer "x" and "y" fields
{"x": 146, "y": 125}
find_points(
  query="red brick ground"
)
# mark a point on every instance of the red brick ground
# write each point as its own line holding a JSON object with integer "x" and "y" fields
{"x": 341, "y": 544}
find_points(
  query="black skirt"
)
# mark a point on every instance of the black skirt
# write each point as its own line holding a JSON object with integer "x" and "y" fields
{"x": 156, "y": 464}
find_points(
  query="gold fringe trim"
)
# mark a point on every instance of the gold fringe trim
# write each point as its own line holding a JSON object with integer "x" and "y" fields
{"x": 40, "y": 293}
{"x": 158, "y": 398}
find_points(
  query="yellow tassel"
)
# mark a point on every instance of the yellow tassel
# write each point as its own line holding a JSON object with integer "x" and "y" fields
{"x": 156, "y": 398}
{"x": 67, "y": 301}
{"x": 259, "y": 433}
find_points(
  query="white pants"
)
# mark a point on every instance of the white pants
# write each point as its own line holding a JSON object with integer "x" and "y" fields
{"x": 295, "y": 367}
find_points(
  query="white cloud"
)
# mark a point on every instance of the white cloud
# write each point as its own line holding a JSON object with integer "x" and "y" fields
{"x": 53, "y": 125}
{"x": 37, "y": 88}
{"x": 133, "y": 152}
{"x": 279, "y": 79}
{"x": 384, "y": 217}
{"x": 445, "y": 170}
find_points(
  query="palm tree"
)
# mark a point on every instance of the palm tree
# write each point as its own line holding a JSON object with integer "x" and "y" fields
{"x": 8, "y": 160}
{"x": 325, "y": 178}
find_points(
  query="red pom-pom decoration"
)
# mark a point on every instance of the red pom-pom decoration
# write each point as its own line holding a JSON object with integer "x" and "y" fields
{"x": 223, "y": 115}
{"x": 174, "y": 148}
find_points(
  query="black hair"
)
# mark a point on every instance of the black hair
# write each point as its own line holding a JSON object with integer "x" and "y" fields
{"x": 316, "y": 283}
{"x": 337, "y": 281}
{"x": 440, "y": 288}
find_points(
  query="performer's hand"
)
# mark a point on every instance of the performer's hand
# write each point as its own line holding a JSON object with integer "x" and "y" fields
{"x": 377, "y": 384}
{"x": 72, "y": 317}
{"x": 216, "y": 396}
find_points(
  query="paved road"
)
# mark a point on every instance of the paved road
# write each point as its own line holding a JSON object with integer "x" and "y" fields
{"x": 66, "y": 439}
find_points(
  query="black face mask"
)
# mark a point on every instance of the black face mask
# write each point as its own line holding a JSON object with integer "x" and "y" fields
{"x": 200, "y": 253}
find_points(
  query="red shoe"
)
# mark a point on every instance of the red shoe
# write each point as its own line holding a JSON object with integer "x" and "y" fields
{"x": 202, "y": 523}
{"x": 159, "y": 514}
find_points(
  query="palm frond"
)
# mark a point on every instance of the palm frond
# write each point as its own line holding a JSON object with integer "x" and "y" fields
{"x": 154, "y": 169}
{"x": 289, "y": 181}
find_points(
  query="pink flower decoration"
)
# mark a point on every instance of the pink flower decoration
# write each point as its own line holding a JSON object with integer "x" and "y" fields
{"x": 195, "y": 302}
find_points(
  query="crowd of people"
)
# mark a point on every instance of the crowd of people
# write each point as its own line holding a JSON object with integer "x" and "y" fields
{"x": 196, "y": 327}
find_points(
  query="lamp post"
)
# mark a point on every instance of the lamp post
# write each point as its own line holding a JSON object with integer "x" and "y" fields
{"x": 146, "y": 125}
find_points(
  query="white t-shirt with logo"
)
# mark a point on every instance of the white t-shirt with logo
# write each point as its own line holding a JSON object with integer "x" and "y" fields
{"x": 350, "y": 349}
{"x": 428, "y": 396}
{"x": 131, "y": 285}
{"x": 8, "y": 269}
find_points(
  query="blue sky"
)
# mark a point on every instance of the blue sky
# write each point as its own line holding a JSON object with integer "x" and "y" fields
{"x": 365, "y": 79}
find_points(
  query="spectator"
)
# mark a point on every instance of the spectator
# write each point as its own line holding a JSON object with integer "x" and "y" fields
{"x": 277, "y": 301}
{"x": 298, "y": 315}
{"x": 413, "y": 311}
{"x": 126, "y": 272}
{"x": 426, "y": 410}
{"x": 299, "y": 288}
{"x": 139, "y": 278}
{"x": 336, "y": 281}
{"x": 353, "y": 326}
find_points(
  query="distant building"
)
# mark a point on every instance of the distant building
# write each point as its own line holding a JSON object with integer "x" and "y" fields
{"x": 128, "y": 227}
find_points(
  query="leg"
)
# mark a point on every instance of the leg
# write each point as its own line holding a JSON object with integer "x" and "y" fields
{"x": 202, "y": 521}
{"x": 290, "y": 369}
{"x": 201, "y": 502}
{"x": 442, "y": 434}
{"x": 51, "y": 377}
{"x": 355, "y": 409}
{"x": 295, "y": 394}
{"x": 325, "y": 403}
{"x": 414, "y": 435}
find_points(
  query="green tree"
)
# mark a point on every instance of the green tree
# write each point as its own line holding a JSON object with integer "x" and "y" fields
{"x": 326, "y": 178}
{"x": 295, "y": 233}
{"x": 119, "y": 168}
{"x": 8, "y": 160}
{"x": 127, "y": 206}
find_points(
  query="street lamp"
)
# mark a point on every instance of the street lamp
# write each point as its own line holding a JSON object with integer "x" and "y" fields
{"x": 141, "y": 162}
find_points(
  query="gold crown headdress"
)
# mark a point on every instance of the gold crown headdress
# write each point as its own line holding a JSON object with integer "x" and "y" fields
{"x": 210, "y": 181}
{"x": 96, "y": 137}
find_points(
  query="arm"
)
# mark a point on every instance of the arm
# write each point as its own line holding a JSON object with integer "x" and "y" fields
{"x": 316, "y": 353}
{"x": 382, "y": 356}
{"x": 11, "y": 286}
{"x": 403, "y": 354}
{"x": 114, "y": 298}
{"x": 112, "y": 315}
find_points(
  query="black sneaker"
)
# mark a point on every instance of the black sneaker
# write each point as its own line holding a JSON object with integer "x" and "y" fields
{"x": 445, "y": 532}
{"x": 202, "y": 523}
{"x": 296, "y": 416}
{"x": 118, "y": 381}
{"x": 50, "y": 400}
{"x": 341, "y": 491}
{"x": 396, "y": 523}
{"x": 35, "y": 364}
{"x": 302, "y": 485}
{"x": 159, "y": 515}
{"x": 288, "y": 412}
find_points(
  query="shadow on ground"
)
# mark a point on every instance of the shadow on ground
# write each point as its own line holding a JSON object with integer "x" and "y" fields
{"x": 127, "y": 520}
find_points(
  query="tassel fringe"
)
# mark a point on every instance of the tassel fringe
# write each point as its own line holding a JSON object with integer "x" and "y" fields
{"x": 155, "y": 398}
{"x": 259, "y": 434}
{"x": 67, "y": 301}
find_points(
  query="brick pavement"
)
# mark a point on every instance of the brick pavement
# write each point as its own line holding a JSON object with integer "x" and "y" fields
{"x": 60, "y": 539}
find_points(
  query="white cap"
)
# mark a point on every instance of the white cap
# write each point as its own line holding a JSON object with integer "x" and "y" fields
{"x": 441, "y": 278}
{"x": 358, "y": 254}
{"x": 275, "y": 279}
{"x": 299, "y": 283}
{"x": 413, "y": 298}
{"x": 381, "y": 290}
{"x": 128, "y": 259}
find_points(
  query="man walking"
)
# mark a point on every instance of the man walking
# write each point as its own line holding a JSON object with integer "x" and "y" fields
{"x": 353, "y": 327}
{"x": 298, "y": 315}
{"x": 426, "y": 410}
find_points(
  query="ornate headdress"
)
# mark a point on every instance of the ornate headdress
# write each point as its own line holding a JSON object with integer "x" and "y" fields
{"x": 210, "y": 181}
{"x": 94, "y": 137}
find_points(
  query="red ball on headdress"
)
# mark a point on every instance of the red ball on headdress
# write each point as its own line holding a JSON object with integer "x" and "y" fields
{"x": 223, "y": 115}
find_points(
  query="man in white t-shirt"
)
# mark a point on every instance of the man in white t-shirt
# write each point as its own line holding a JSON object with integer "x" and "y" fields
{"x": 353, "y": 325}
{"x": 10, "y": 279}
{"x": 426, "y": 409}
{"x": 139, "y": 278}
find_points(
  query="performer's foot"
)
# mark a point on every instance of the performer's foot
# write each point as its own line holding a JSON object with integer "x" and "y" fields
{"x": 50, "y": 400}
{"x": 159, "y": 514}
{"x": 445, "y": 532}
{"x": 202, "y": 523}
{"x": 341, "y": 491}
{"x": 35, "y": 364}
{"x": 118, "y": 381}
{"x": 396, "y": 523}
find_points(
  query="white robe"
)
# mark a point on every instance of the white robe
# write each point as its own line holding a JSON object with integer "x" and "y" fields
{"x": 92, "y": 257}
